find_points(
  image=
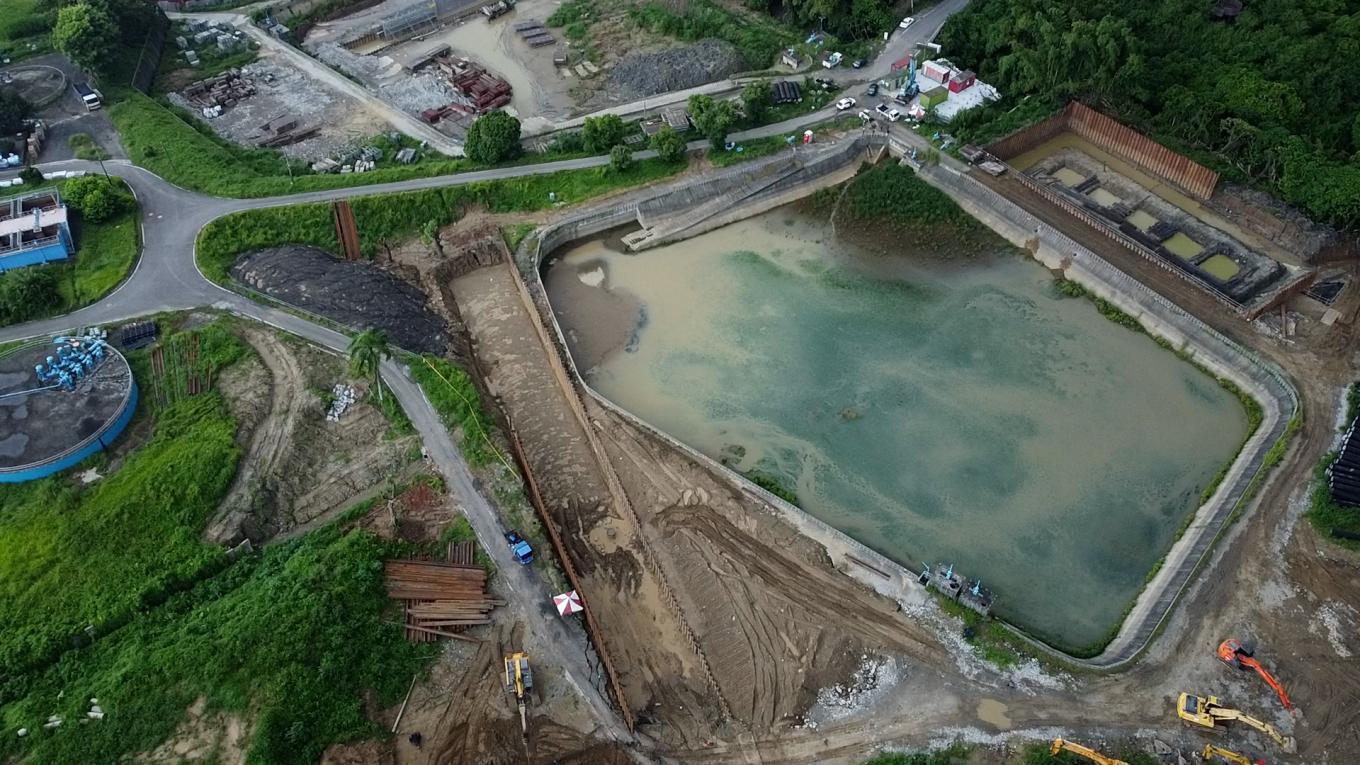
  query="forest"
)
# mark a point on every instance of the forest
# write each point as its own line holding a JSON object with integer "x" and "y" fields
{"x": 1270, "y": 99}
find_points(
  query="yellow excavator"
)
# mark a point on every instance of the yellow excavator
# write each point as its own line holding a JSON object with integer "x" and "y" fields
{"x": 519, "y": 680}
{"x": 1210, "y": 751}
{"x": 1060, "y": 745}
{"x": 1207, "y": 712}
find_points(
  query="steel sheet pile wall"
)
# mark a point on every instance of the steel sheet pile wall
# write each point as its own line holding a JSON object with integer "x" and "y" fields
{"x": 1141, "y": 150}
{"x": 1121, "y": 141}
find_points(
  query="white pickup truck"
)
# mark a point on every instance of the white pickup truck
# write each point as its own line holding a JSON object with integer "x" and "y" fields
{"x": 88, "y": 95}
{"x": 833, "y": 61}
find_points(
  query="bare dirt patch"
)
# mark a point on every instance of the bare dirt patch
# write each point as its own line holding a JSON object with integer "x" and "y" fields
{"x": 204, "y": 736}
{"x": 298, "y": 469}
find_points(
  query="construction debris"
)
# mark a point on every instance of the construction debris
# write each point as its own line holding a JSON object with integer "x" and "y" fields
{"x": 476, "y": 90}
{"x": 342, "y": 398}
{"x": 220, "y": 92}
{"x": 441, "y": 599}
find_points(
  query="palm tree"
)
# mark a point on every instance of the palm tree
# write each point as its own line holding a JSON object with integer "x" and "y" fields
{"x": 366, "y": 352}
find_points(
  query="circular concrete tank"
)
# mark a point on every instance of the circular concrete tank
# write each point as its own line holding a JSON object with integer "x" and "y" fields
{"x": 46, "y": 431}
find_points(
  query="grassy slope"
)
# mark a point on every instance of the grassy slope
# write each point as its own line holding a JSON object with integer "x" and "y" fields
{"x": 389, "y": 217}
{"x": 185, "y": 152}
{"x": 176, "y": 621}
{"x": 70, "y": 557}
{"x": 14, "y": 42}
{"x": 105, "y": 254}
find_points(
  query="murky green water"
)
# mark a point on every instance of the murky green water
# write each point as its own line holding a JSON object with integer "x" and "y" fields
{"x": 936, "y": 411}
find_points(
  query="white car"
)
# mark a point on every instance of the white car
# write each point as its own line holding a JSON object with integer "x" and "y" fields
{"x": 894, "y": 115}
{"x": 865, "y": 115}
{"x": 845, "y": 103}
{"x": 882, "y": 109}
{"x": 908, "y": 21}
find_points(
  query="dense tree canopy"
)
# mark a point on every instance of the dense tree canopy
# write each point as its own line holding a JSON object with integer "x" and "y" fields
{"x": 13, "y": 111}
{"x": 602, "y": 133}
{"x": 88, "y": 35}
{"x": 493, "y": 137}
{"x": 1272, "y": 99}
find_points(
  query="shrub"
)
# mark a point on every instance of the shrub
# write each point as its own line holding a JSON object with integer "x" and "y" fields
{"x": 668, "y": 144}
{"x": 620, "y": 159}
{"x": 493, "y": 137}
{"x": 96, "y": 198}
{"x": 755, "y": 99}
{"x": 31, "y": 175}
{"x": 26, "y": 293}
{"x": 600, "y": 134}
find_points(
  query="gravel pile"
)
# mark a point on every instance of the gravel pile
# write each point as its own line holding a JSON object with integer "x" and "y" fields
{"x": 647, "y": 74}
{"x": 353, "y": 293}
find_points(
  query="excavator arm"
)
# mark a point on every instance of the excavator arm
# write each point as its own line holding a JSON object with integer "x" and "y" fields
{"x": 1059, "y": 745}
{"x": 1251, "y": 663}
{"x": 1236, "y": 759}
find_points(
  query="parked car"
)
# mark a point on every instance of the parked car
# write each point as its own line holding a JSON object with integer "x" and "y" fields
{"x": 845, "y": 103}
{"x": 857, "y": 64}
{"x": 894, "y": 115}
{"x": 833, "y": 61}
{"x": 882, "y": 108}
{"x": 865, "y": 115}
{"x": 872, "y": 91}
{"x": 908, "y": 21}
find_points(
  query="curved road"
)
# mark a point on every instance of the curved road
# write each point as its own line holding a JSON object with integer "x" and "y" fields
{"x": 166, "y": 278}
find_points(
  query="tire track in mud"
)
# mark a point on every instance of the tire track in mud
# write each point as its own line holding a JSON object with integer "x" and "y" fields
{"x": 272, "y": 440}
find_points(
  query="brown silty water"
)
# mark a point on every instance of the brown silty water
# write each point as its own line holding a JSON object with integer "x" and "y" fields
{"x": 940, "y": 411}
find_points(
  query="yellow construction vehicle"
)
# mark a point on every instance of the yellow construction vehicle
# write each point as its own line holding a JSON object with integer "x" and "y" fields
{"x": 519, "y": 681}
{"x": 1060, "y": 745}
{"x": 1236, "y": 759}
{"x": 1207, "y": 712}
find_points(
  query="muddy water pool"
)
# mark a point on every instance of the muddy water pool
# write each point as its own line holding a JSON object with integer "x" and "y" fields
{"x": 936, "y": 410}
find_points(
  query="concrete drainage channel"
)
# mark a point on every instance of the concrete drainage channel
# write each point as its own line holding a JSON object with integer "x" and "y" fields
{"x": 686, "y": 208}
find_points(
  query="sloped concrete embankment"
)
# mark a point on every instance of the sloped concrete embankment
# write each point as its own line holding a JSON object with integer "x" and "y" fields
{"x": 1191, "y": 337}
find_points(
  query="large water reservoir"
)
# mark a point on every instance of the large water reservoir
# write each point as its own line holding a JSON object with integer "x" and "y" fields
{"x": 938, "y": 410}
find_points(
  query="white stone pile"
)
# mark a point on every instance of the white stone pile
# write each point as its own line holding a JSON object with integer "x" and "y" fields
{"x": 343, "y": 397}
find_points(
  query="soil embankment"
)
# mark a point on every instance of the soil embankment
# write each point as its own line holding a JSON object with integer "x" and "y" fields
{"x": 353, "y": 293}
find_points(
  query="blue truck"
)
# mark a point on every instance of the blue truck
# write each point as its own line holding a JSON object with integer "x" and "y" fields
{"x": 520, "y": 548}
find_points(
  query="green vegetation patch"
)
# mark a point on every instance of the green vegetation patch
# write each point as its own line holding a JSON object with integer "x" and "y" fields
{"x": 454, "y": 396}
{"x": 84, "y": 147}
{"x": 105, "y": 254}
{"x": 72, "y": 556}
{"x": 1337, "y": 522}
{"x": 384, "y": 219}
{"x": 773, "y": 484}
{"x": 758, "y": 39}
{"x": 24, "y": 28}
{"x": 292, "y": 638}
{"x": 892, "y": 197}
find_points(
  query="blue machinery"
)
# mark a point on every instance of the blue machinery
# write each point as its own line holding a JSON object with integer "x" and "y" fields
{"x": 76, "y": 358}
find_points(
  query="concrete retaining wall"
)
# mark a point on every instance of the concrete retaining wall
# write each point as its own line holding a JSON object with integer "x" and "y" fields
{"x": 1193, "y": 338}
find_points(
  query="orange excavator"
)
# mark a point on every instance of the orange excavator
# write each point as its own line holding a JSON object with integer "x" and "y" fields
{"x": 1238, "y": 656}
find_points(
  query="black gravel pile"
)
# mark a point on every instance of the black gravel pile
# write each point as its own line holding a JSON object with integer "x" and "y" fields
{"x": 353, "y": 293}
{"x": 646, "y": 74}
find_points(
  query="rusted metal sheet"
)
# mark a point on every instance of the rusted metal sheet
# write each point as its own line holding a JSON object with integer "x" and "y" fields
{"x": 346, "y": 230}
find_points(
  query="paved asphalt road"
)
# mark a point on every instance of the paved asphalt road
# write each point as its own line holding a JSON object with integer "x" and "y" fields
{"x": 167, "y": 278}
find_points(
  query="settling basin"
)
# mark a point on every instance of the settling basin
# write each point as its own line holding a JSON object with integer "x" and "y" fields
{"x": 937, "y": 410}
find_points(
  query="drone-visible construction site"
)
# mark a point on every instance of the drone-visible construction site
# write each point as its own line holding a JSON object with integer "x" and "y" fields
{"x": 822, "y": 437}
